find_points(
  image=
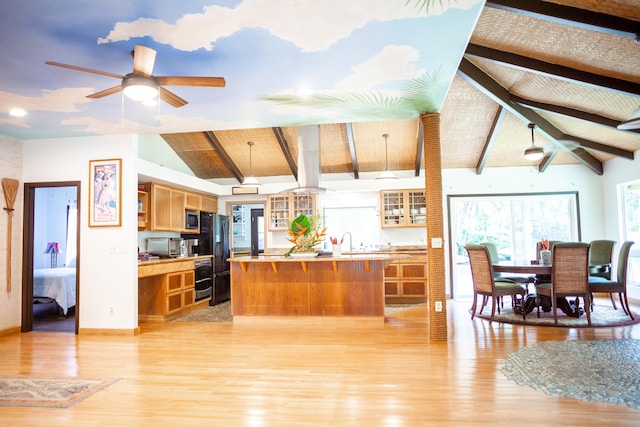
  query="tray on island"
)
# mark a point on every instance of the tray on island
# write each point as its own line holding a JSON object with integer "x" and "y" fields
{"x": 303, "y": 254}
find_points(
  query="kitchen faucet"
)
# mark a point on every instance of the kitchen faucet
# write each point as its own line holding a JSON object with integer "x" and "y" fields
{"x": 350, "y": 240}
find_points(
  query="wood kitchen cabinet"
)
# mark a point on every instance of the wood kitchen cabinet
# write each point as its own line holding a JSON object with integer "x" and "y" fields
{"x": 209, "y": 204}
{"x": 284, "y": 208}
{"x": 166, "y": 290}
{"x": 403, "y": 208}
{"x": 405, "y": 280}
{"x": 166, "y": 207}
{"x": 143, "y": 210}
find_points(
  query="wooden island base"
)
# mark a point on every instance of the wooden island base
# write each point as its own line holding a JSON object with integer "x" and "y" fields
{"x": 346, "y": 286}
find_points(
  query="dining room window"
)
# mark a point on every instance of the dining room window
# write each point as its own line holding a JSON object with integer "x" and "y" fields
{"x": 630, "y": 227}
{"x": 513, "y": 222}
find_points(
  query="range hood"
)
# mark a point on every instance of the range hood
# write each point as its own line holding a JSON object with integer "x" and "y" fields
{"x": 308, "y": 161}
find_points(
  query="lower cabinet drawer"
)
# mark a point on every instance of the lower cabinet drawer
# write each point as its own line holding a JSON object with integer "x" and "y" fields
{"x": 174, "y": 302}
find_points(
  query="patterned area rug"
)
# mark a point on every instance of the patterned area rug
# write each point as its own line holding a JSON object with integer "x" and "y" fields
{"x": 221, "y": 313}
{"x": 49, "y": 392}
{"x": 603, "y": 315}
{"x": 593, "y": 371}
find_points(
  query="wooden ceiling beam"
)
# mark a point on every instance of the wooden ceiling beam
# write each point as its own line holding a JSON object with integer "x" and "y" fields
{"x": 483, "y": 82}
{"x": 226, "y": 160}
{"x": 352, "y": 151}
{"x": 571, "y": 112}
{"x": 569, "y": 15}
{"x": 277, "y": 131}
{"x": 491, "y": 138}
{"x": 419, "y": 149}
{"x": 558, "y": 71}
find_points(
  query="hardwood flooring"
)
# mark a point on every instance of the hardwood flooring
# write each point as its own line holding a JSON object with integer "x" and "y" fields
{"x": 315, "y": 374}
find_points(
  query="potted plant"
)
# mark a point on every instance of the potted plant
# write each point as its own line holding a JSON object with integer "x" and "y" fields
{"x": 305, "y": 234}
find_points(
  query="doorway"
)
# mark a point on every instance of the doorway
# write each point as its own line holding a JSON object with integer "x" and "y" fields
{"x": 50, "y": 274}
{"x": 245, "y": 217}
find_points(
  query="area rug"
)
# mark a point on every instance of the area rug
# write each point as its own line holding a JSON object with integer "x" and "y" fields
{"x": 49, "y": 392}
{"x": 221, "y": 313}
{"x": 603, "y": 315}
{"x": 605, "y": 371}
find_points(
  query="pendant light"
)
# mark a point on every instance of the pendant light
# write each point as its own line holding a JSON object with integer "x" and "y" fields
{"x": 250, "y": 181}
{"x": 387, "y": 174}
{"x": 533, "y": 153}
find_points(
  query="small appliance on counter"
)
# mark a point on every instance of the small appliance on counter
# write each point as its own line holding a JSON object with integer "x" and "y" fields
{"x": 166, "y": 247}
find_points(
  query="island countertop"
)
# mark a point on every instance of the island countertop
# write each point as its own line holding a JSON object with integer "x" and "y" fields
{"x": 335, "y": 286}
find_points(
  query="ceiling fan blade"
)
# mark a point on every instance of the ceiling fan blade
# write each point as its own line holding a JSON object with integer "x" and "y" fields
{"x": 106, "y": 92}
{"x": 171, "y": 98}
{"x": 143, "y": 60}
{"x": 191, "y": 81}
{"x": 86, "y": 70}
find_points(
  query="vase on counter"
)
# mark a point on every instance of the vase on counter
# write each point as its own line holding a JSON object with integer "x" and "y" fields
{"x": 545, "y": 257}
{"x": 336, "y": 249}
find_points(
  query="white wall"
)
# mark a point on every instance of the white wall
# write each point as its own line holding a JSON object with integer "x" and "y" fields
{"x": 108, "y": 257}
{"x": 11, "y": 167}
{"x": 617, "y": 171}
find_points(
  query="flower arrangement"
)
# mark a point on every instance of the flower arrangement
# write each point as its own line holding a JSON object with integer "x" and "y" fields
{"x": 544, "y": 245}
{"x": 304, "y": 234}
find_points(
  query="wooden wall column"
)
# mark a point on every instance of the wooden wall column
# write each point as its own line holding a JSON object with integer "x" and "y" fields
{"x": 436, "y": 288}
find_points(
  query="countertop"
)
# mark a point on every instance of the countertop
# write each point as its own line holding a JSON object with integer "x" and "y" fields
{"x": 321, "y": 258}
{"x": 169, "y": 260}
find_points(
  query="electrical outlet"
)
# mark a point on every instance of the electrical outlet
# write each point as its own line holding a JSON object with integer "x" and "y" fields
{"x": 438, "y": 305}
{"x": 111, "y": 311}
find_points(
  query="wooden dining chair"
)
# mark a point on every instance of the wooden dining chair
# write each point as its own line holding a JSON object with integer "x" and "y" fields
{"x": 522, "y": 279}
{"x": 569, "y": 277}
{"x": 485, "y": 283}
{"x": 618, "y": 286}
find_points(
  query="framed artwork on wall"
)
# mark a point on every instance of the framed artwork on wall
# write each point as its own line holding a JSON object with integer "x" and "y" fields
{"x": 105, "y": 193}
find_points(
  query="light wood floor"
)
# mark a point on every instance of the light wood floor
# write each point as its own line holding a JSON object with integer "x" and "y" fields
{"x": 207, "y": 374}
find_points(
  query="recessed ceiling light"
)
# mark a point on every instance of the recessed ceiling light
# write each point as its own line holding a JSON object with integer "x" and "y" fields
{"x": 17, "y": 112}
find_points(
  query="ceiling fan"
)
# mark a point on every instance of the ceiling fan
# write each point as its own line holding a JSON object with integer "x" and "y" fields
{"x": 141, "y": 85}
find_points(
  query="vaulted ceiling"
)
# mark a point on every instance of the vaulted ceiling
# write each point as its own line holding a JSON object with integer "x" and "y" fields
{"x": 570, "y": 67}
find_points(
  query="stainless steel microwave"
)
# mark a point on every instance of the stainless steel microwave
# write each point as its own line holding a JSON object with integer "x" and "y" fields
{"x": 192, "y": 220}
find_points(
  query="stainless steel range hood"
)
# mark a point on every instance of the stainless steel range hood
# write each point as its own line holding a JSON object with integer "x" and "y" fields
{"x": 308, "y": 161}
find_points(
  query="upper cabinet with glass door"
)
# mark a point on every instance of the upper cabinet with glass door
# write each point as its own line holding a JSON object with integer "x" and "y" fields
{"x": 403, "y": 208}
{"x": 284, "y": 208}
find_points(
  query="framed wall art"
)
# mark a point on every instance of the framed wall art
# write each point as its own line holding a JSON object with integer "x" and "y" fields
{"x": 105, "y": 193}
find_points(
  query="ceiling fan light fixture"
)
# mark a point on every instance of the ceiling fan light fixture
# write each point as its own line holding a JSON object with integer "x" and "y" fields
{"x": 387, "y": 174}
{"x": 140, "y": 88}
{"x": 250, "y": 181}
{"x": 533, "y": 153}
{"x": 632, "y": 123}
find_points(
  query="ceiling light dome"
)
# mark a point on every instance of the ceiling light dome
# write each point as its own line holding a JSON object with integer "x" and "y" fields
{"x": 533, "y": 153}
{"x": 140, "y": 88}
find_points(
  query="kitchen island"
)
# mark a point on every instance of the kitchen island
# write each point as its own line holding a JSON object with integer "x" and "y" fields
{"x": 328, "y": 286}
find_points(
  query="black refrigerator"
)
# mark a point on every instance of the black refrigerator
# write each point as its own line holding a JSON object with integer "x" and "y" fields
{"x": 214, "y": 240}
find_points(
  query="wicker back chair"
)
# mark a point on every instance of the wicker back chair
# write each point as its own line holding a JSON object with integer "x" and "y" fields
{"x": 523, "y": 279}
{"x": 618, "y": 286}
{"x": 600, "y": 254}
{"x": 485, "y": 284}
{"x": 569, "y": 277}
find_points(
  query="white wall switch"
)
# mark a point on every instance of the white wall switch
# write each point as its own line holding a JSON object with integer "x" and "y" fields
{"x": 436, "y": 242}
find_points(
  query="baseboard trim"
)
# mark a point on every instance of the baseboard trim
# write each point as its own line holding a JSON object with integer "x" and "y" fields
{"x": 10, "y": 331}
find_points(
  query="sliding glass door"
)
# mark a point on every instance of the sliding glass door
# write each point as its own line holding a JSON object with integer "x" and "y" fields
{"x": 513, "y": 222}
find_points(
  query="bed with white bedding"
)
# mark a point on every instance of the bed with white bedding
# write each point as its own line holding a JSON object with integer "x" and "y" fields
{"x": 58, "y": 284}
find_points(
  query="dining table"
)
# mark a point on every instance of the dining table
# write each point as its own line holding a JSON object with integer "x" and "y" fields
{"x": 543, "y": 273}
